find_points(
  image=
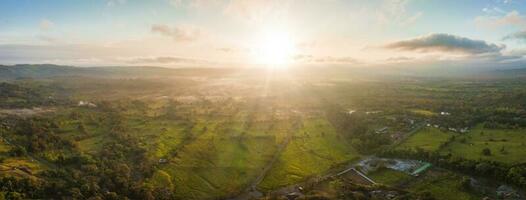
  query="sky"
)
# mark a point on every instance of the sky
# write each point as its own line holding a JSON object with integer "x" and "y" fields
{"x": 217, "y": 33}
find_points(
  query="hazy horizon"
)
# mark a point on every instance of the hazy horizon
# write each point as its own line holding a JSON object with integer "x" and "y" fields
{"x": 472, "y": 35}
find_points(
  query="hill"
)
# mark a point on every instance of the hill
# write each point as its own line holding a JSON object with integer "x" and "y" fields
{"x": 37, "y": 71}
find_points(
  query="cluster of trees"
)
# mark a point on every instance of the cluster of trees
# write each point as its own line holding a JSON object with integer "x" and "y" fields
{"x": 119, "y": 171}
{"x": 346, "y": 189}
{"x": 506, "y": 120}
{"x": 38, "y": 135}
{"x": 355, "y": 128}
{"x": 513, "y": 174}
{"x": 18, "y": 96}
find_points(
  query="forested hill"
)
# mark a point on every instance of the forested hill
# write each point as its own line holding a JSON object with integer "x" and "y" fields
{"x": 48, "y": 71}
{"x": 521, "y": 72}
{"x": 37, "y": 71}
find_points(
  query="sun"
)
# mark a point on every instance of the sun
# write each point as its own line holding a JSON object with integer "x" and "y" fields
{"x": 274, "y": 48}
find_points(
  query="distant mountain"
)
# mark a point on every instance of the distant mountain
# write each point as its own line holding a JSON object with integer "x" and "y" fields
{"x": 9, "y": 72}
{"x": 517, "y": 71}
{"x": 48, "y": 71}
{"x": 36, "y": 71}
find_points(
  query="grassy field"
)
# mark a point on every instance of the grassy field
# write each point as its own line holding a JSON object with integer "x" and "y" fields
{"x": 223, "y": 158}
{"x": 507, "y": 146}
{"x": 441, "y": 185}
{"x": 313, "y": 149}
{"x": 428, "y": 139}
{"x": 11, "y": 166}
{"x": 388, "y": 176}
{"x": 4, "y": 148}
{"x": 426, "y": 113}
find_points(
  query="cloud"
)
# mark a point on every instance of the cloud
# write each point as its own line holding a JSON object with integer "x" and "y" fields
{"x": 47, "y": 38}
{"x": 45, "y": 24}
{"x": 194, "y": 3}
{"x": 502, "y": 19}
{"x": 91, "y": 55}
{"x": 233, "y": 50}
{"x": 257, "y": 10}
{"x": 399, "y": 59}
{"x": 166, "y": 60}
{"x": 111, "y": 3}
{"x": 178, "y": 33}
{"x": 493, "y": 11}
{"x": 395, "y": 12}
{"x": 521, "y": 35}
{"x": 440, "y": 42}
{"x": 307, "y": 58}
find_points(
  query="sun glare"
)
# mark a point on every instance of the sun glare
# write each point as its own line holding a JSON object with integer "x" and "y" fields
{"x": 274, "y": 48}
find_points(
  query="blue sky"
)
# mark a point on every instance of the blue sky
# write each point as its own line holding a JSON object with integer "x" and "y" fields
{"x": 236, "y": 32}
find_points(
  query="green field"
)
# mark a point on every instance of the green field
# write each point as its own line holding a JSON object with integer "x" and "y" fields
{"x": 506, "y": 146}
{"x": 441, "y": 185}
{"x": 428, "y": 139}
{"x": 223, "y": 159}
{"x": 313, "y": 149}
{"x": 200, "y": 137}
{"x": 11, "y": 166}
{"x": 4, "y": 148}
{"x": 388, "y": 176}
{"x": 426, "y": 113}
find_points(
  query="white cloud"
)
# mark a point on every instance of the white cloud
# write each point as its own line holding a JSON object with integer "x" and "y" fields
{"x": 395, "y": 12}
{"x": 194, "y": 3}
{"x": 184, "y": 33}
{"x": 257, "y": 10}
{"x": 307, "y": 58}
{"x": 502, "y": 19}
{"x": 493, "y": 11}
{"x": 111, "y": 3}
{"x": 164, "y": 60}
{"x": 45, "y": 24}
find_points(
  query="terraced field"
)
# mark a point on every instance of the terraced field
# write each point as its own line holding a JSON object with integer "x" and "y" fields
{"x": 224, "y": 158}
{"x": 314, "y": 148}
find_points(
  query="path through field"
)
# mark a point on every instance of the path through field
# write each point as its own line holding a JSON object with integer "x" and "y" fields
{"x": 251, "y": 191}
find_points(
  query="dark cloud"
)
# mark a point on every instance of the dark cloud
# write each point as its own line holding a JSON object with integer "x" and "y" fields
{"x": 178, "y": 33}
{"x": 521, "y": 35}
{"x": 446, "y": 43}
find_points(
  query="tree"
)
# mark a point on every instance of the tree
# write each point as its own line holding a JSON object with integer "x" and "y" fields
{"x": 18, "y": 151}
{"x": 466, "y": 183}
{"x": 171, "y": 110}
{"x": 81, "y": 128}
{"x": 503, "y": 150}
{"x": 486, "y": 151}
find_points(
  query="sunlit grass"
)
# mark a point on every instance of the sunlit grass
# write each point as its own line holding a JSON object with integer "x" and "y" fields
{"x": 314, "y": 149}
{"x": 506, "y": 145}
{"x": 428, "y": 139}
